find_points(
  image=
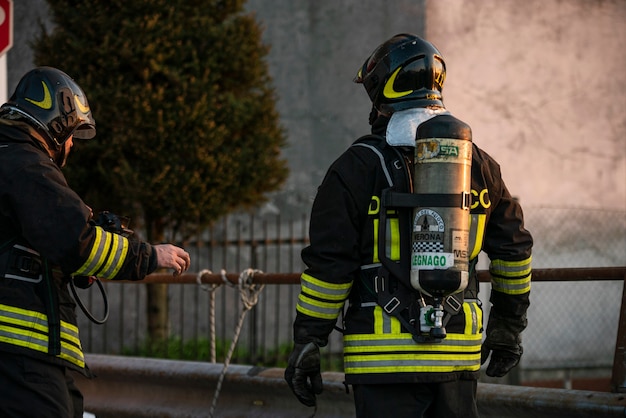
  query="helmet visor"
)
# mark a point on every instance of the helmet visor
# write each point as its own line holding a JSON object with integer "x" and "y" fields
{"x": 85, "y": 131}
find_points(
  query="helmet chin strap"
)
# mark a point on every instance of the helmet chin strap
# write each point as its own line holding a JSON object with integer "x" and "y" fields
{"x": 39, "y": 132}
{"x": 61, "y": 156}
{"x": 57, "y": 153}
{"x": 62, "y": 153}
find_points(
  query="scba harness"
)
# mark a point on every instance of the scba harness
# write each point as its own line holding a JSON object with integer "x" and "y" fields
{"x": 19, "y": 262}
{"x": 388, "y": 284}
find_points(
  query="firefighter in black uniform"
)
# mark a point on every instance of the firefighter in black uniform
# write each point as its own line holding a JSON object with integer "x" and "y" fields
{"x": 46, "y": 238}
{"x": 392, "y": 373}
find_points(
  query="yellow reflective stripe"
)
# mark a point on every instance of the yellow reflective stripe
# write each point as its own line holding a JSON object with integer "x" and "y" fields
{"x": 91, "y": 264}
{"x": 114, "y": 264}
{"x": 330, "y": 291}
{"x": 29, "y": 329}
{"x": 375, "y": 258}
{"x": 68, "y": 357}
{"x": 477, "y": 234}
{"x": 393, "y": 361}
{"x": 384, "y": 353}
{"x": 511, "y": 277}
{"x": 394, "y": 238}
{"x": 378, "y": 320}
{"x": 106, "y": 257}
{"x": 23, "y": 338}
{"x": 512, "y": 286}
{"x": 385, "y": 324}
{"x": 511, "y": 268}
{"x": 39, "y": 342}
{"x": 473, "y": 317}
{"x": 318, "y": 309}
{"x": 321, "y": 299}
{"x": 70, "y": 333}
{"x": 23, "y": 317}
{"x": 404, "y": 342}
{"x": 396, "y": 328}
{"x": 468, "y": 365}
{"x": 315, "y": 313}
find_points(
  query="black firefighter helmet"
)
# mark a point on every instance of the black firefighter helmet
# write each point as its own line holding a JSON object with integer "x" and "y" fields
{"x": 404, "y": 72}
{"x": 51, "y": 102}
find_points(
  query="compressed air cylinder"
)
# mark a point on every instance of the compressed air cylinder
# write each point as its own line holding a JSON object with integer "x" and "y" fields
{"x": 442, "y": 181}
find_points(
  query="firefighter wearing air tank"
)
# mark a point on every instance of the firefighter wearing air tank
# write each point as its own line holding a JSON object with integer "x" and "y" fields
{"x": 396, "y": 228}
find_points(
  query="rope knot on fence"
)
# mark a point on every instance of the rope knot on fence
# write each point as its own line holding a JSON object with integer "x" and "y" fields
{"x": 249, "y": 294}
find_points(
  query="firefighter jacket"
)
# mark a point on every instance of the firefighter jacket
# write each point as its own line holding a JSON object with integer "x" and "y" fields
{"x": 45, "y": 238}
{"x": 342, "y": 258}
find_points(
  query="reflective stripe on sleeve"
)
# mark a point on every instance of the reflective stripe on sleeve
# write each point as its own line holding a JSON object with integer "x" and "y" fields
{"x": 511, "y": 277}
{"x": 106, "y": 257}
{"x": 320, "y": 299}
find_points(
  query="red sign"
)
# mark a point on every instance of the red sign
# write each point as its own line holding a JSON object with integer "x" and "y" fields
{"x": 6, "y": 25}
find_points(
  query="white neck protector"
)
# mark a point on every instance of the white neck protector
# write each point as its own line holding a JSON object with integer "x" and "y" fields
{"x": 402, "y": 126}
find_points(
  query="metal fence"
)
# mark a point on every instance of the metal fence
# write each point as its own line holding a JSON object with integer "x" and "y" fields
{"x": 572, "y": 325}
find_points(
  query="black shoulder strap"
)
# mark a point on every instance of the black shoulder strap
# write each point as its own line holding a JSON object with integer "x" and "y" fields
{"x": 392, "y": 162}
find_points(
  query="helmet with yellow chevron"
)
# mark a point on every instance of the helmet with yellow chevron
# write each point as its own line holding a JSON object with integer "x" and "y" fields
{"x": 50, "y": 101}
{"x": 404, "y": 72}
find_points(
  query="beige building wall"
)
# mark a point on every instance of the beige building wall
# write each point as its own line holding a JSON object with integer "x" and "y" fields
{"x": 543, "y": 85}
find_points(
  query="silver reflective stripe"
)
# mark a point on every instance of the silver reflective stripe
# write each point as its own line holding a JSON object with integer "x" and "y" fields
{"x": 29, "y": 329}
{"x": 473, "y": 316}
{"x": 386, "y": 323}
{"x": 370, "y": 266}
{"x": 398, "y": 362}
{"x": 106, "y": 256}
{"x": 24, "y": 279}
{"x": 330, "y": 293}
{"x": 404, "y": 341}
{"x": 510, "y": 268}
{"x": 118, "y": 247}
{"x": 376, "y": 353}
{"x": 320, "y": 308}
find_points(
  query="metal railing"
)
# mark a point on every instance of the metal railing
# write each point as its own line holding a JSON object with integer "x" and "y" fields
{"x": 573, "y": 316}
{"x": 167, "y": 388}
{"x": 616, "y": 274}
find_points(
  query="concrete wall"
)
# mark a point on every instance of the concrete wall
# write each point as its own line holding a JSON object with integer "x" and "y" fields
{"x": 540, "y": 82}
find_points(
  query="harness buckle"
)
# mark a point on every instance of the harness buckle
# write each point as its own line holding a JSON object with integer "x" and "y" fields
{"x": 391, "y": 305}
{"x": 22, "y": 263}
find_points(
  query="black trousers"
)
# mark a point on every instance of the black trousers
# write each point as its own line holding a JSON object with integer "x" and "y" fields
{"x": 455, "y": 399}
{"x": 32, "y": 388}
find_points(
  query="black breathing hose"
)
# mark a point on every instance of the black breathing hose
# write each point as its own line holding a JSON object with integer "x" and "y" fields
{"x": 84, "y": 308}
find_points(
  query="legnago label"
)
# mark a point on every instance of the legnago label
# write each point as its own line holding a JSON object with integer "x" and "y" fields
{"x": 431, "y": 261}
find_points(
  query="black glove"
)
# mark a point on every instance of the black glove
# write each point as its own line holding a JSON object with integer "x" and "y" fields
{"x": 503, "y": 342}
{"x": 303, "y": 372}
{"x": 502, "y": 361}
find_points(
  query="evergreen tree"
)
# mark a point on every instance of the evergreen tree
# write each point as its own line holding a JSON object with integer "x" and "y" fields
{"x": 187, "y": 129}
